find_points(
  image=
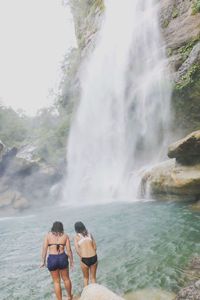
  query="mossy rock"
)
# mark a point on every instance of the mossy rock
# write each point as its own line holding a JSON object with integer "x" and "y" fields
{"x": 186, "y": 102}
{"x": 196, "y": 7}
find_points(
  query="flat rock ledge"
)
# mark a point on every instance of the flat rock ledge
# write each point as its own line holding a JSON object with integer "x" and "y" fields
{"x": 172, "y": 181}
{"x": 179, "y": 177}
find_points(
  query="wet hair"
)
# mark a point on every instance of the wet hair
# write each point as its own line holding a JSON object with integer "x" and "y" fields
{"x": 57, "y": 227}
{"x": 80, "y": 228}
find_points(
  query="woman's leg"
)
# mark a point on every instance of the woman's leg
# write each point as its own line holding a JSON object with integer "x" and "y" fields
{"x": 67, "y": 282}
{"x": 56, "y": 280}
{"x": 93, "y": 270}
{"x": 85, "y": 271}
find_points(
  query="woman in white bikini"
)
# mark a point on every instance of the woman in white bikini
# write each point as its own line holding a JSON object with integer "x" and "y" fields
{"x": 86, "y": 249}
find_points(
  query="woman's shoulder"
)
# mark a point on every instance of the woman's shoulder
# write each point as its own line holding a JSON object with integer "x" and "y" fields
{"x": 48, "y": 235}
{"x": 77, "y": 236}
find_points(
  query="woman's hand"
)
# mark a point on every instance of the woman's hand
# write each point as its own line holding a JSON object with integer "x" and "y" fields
{"x": 44, "y": 252}
{"x": 42, "y": 265}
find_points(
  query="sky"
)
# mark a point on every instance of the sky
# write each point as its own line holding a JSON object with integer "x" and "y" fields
{"x": 34, "y": 37}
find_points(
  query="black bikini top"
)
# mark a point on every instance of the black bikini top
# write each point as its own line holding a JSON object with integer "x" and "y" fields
{"x": 57, "y": 246}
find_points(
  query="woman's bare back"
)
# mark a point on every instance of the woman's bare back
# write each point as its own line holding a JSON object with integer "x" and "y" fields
{"x": 56, "y": 240}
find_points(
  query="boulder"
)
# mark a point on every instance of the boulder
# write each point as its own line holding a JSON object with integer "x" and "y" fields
{"x": 6, "y": 198}
{"x": 14, "y": 199}
{"x": 172, "y": 181}
{"x": 191, "y": 292}
{"x": 187, "y": 150}
{"x": 98, "y": 292}
{"x": 192, "y": 272}
{"x": 20, "y": 203}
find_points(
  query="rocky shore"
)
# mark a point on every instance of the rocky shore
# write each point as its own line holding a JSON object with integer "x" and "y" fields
{"x": 192, "y": 279}
{"x": 99, "y": 292}
{"x": 179, "y": 177}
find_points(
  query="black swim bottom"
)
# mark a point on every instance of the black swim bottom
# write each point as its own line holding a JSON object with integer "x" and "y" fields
{"x": 57, "y": 261}
{"x": 89, "y": 261}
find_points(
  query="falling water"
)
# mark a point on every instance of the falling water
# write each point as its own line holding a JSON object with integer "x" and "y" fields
{"x": 122, "y": 119}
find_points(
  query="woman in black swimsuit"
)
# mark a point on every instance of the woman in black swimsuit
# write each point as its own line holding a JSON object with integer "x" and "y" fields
{"x": 86, "y": 249}
{"x": 57, "y": 261}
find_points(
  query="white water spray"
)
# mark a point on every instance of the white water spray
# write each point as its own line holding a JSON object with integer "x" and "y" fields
{"x": 123, "y": 115}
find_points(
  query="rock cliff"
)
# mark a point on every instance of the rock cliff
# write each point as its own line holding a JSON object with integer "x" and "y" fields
{"x": 180, "y": 21}
{"x": 180, "y": 25}
{"x": 25, "y": 181}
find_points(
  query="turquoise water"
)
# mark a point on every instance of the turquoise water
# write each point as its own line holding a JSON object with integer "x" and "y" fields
{"x": 140, "y": 245}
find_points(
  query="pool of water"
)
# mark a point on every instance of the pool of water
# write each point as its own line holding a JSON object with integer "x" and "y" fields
{"x": 141, "y": 245}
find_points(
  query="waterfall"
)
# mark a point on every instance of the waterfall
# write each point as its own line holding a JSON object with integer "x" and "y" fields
{"x": 122, "y": 120}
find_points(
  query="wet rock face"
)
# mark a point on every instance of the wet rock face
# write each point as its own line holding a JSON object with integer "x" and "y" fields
{"x": 24, "y": 180}
{"x": 181, "y": 31}
{"x": 187, "y": 150}
{"x": 192, "y": 60}
{"x": 180, "y": 26}
{"x": 87, "y": 19}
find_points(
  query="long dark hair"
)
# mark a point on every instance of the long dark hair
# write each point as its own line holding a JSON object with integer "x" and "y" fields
{"x": 57, "y": 228}
{"x": 80, "y": 228}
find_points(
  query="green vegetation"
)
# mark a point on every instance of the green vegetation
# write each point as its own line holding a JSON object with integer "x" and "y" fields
{"x": 13, "y": 127}
{"x": 196, "y": 7}
{"x": 165, "y": 23}
{"x": 49, "y": 134}
{"x": 99, "y": 4}
{"x": 188, "y": 78}
{"x": 175, "y": 12}
{"x": 186, "y": 102}
{"x": 48, "y": 130}
{"x": 169, "y": 51}
{"x": 186, "y": 49}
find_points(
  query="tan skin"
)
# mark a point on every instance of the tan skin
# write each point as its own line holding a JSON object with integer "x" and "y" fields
{"x": 58, "y": 238}
{"x": 86, "y": 249}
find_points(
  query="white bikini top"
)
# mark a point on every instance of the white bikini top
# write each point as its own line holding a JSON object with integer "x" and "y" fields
{"x": 88, "y": 237}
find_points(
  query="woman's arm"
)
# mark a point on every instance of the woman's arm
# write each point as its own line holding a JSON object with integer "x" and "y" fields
{"x": 69, "y": 252}
{"x": 44, "y": 251}
{"x": 77, "y": 246}
{"x": 94, "y": 243}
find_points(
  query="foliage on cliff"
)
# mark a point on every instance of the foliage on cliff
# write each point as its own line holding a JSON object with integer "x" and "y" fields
{"x": 47, "y": 131}
{"x": 13, "y": 126}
